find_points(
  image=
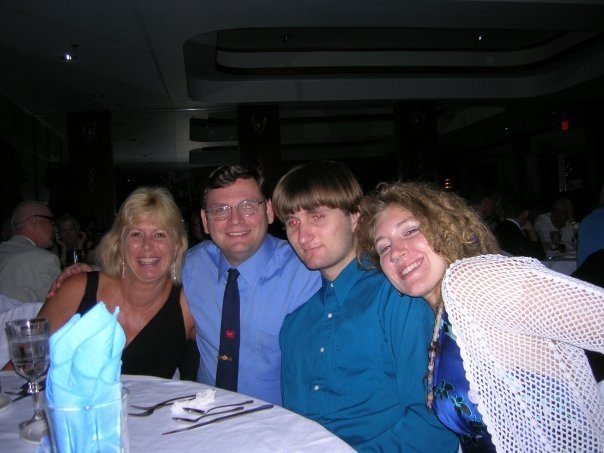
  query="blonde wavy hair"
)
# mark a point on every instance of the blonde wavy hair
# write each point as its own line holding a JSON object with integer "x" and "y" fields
{"x": 450, "y": 226}
{"x": 143, "y": 203}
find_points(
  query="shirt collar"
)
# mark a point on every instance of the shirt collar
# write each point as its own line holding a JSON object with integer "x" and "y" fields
{"x": 24, "y": 239}
{"x": 252, "y": 268}
{"x": 514, "y": 221}
{"x": 344, "y": 282}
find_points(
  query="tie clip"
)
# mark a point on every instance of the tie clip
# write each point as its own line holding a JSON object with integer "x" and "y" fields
{"x": 225, "y": 357}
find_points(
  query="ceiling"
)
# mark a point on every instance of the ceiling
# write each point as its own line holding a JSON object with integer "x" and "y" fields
{"x": 155, "y": 65}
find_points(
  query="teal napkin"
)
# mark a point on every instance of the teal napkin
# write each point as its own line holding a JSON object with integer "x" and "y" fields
{"x": 83, "y": 389}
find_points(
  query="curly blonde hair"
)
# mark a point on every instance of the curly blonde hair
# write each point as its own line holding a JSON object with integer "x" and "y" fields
{"x": 144, "y": 202}
{"x": 450, "y": 226}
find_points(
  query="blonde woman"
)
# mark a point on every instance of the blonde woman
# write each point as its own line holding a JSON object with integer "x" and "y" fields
{"x": 141, "y": 257}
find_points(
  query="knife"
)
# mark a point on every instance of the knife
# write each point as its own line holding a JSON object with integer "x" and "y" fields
{"x": 219, "y": 419}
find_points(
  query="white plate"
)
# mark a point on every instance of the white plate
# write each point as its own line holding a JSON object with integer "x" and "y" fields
{"x": 4, "y": 401}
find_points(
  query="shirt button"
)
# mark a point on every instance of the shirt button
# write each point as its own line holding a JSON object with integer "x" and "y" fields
{"x": 331, "y": 284}
{"x": 322, "y": 349}
{"x": 316, "y": 388}
{"x": 329, "y": 315}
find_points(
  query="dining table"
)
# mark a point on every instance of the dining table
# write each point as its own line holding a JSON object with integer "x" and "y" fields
{"x": 565, "y": 263}
{"x": 271, "y": 430}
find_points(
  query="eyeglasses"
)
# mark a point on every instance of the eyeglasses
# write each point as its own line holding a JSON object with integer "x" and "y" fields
{"x": 47, "y": 217}
{"x": 245, "y": 208}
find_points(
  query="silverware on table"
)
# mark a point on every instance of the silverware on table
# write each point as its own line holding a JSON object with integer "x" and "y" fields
{"x": 195, "y": 420}
{"x": 24, "y": 389}
{"x": 148, "y": 410}
{"x": 20, "y": 397}
{"x": 220, "y": 419}
{"x": 193, "y": 410}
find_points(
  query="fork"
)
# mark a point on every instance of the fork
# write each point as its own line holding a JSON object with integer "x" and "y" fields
{"x": 192, "y": 410}
{"x": 148, "y": 410}
{"x": 195, "y": 420}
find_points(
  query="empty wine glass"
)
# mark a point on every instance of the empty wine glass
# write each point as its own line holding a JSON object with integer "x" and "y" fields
{"x": 28, "y": 342}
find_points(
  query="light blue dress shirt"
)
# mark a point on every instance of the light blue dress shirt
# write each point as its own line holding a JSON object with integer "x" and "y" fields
{"x": 353, "y": 359}
{"x": 272, "y": 283}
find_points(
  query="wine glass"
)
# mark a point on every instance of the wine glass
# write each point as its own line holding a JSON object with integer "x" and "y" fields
{"x": 28, "y": 342}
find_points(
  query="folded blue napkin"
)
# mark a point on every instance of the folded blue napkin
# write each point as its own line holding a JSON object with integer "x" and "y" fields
{"x": 83, "y": 389}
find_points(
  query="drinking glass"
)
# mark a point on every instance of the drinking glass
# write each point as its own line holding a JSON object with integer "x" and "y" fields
{"x": 75, "y": 256}
{"x": 28, "y": 343}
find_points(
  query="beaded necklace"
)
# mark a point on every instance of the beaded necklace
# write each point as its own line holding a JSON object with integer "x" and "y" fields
{"x": 432, "y": 351}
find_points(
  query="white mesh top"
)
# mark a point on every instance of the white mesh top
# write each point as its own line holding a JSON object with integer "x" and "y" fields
{"x": 522, "y": 329}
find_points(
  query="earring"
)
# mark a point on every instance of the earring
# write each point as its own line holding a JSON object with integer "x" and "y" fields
{"x": 173, "y": 272}
{"x": 123, "y": 268}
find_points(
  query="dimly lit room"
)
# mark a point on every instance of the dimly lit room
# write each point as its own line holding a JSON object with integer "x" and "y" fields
{"x": 129, "y": 133}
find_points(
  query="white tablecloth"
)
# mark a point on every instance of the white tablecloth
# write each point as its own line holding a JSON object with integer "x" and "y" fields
{"x": 273, "y": 430}
{"x": 564, "y": 265}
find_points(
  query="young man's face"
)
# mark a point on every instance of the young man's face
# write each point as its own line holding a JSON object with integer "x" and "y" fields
{"x": 238, "y": 235}
{"x": 323, "y": 238}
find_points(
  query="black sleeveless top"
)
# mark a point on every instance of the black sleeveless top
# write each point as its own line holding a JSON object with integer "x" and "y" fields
{"x": 159, "y": 346}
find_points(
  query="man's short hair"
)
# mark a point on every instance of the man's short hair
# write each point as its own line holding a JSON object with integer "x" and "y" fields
{"x": 318, "y": 183}
{"x": 226, "y": 175}
{"x": 22, "y": 212}
{"x": 514, "y": 203}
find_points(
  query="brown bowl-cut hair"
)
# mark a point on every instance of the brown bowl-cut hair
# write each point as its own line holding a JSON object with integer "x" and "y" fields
{"x": 315, "y": 184}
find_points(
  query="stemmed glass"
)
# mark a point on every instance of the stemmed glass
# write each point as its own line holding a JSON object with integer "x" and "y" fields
{"x": 28, "y": 342}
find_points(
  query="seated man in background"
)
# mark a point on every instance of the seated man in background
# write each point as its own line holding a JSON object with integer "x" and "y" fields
{"x": 354, "y": 356}
{"x": 555, "y": 228}
{"x": 515, "y": 234}
{"x": 27, "y": 270}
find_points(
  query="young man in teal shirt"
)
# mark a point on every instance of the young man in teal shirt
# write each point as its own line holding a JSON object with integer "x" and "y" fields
{"x": 353, "y": 356}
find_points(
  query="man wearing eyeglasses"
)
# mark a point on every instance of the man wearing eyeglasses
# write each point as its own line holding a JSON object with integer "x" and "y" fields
{"x": 272, "y": 281}
{"x": 27, "y": 270}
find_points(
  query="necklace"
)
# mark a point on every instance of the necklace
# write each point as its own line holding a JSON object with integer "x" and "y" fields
{"x": 432, "y": 351}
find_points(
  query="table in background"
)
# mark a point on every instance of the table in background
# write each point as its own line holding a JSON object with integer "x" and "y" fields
{"x": 274, "y": 430}
{"x": 565, "y": 264}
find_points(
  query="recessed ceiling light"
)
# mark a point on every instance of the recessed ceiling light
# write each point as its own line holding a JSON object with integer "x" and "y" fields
{"x": 67, "y": 56}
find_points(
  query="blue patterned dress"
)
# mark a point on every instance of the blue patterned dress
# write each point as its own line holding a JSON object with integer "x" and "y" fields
{"x": 451, "y": 402}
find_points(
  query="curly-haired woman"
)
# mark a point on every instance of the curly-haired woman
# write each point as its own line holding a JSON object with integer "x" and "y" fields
{"x": 507, "y": 367}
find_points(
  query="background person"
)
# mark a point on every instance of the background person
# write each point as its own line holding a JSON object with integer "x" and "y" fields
{"x": 555, "y": 229}
{"x": 141, "y": 257}
{"x": 516, "y": 234}
{"x": 509, "y": 318}
{"x": 73, "y": 243}
{"x": 27, "y": 269}
{"x": 353, "y": 356}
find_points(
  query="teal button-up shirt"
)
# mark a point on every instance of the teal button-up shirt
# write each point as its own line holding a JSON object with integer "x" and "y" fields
{"x": 353, "y": 359}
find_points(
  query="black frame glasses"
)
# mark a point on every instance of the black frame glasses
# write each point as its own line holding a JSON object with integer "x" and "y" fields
{"x": 244, "y": 208}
